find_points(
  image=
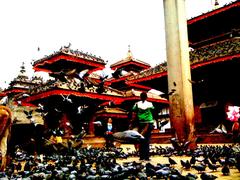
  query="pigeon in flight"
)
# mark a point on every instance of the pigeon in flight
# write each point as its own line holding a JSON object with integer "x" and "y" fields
{"x": 163, "y": 123}
{"x": 59, "y": 75}
{"x": 66, "y": 98}
{"x": 117, "y": 73}
{"x": 83, "y": 74}
{"x": 196, "y": 82}
{"x": 168, "y": 94}
{"x": 28, "y": 114}
{"x": 80, "y": 110}
{"x": 4, "y": 100}
{"x": 221, "y": 129}
{"x": 98, "y": 123}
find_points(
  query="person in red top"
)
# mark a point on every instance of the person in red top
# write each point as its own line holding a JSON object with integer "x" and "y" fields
{"x": 236, "y": 132}
{"x": 109, "y": 133}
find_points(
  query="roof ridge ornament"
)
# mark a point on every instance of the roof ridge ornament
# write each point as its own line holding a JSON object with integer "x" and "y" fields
{"x": 23, "y": 69}
{"x": 129, "y": 54}
{"x": 216, "y": 4}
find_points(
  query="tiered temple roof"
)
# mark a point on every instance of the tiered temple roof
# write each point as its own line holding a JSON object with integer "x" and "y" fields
{"x": 72, "y": 85}
{"x": 83, "y": 91}
{"x": 132, "y": 67}
{"x": 22, "y": 83}
{"x": 18, "y": 86}
{"x": 211, "y": 41}
{"x": 209, "y": 54}
{"x": 216, "y": 25}
{"x": 69, "y": 59}
{"x": 130, "y": 64}
{"x": 214, "y": 59}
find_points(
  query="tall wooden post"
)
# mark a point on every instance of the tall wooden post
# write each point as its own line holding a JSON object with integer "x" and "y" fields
{"x": 179, "y": 73}
{"x": 91, "y": 126}
{"x": 64, "y": 124}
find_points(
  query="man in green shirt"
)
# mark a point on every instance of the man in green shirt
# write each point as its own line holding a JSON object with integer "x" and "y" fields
{"x": 144, "y": 109}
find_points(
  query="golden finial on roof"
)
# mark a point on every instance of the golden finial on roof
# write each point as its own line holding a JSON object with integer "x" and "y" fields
{"x": 22, "y": 70}
{"x": 22, "y": 77}
{"x": 129, "y": 54}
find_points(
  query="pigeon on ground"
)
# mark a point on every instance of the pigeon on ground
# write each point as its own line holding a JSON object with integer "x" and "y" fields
{"x": 128, "y": 136}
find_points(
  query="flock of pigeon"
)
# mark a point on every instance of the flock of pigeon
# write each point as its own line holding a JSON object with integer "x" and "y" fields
{"x": 104, "y": 163}
{"x": 83, "y": 77}
{"x": 114, "y": 163}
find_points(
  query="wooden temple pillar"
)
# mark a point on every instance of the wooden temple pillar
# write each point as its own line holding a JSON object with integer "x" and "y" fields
{"x": 65, "y": 124}
{"x": 179, "y": 73}
{"x": 91, "y": 128}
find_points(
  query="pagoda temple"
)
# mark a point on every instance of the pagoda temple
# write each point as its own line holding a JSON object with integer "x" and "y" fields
{"x": 26, "y": 121}
{"x": 214, "y": 40}
{"x": 124, "y": 68}
{"x": 129, "y": 65}
{"x": 20, "y": 86}
{"x": 75, "y": 96}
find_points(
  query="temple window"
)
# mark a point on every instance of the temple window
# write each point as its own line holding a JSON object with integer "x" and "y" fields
{"x": 163, "y": 121}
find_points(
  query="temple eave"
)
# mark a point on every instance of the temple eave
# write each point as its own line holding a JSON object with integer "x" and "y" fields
{"x": 214, "y": 61}
{"x": 60, "y": 92}
{"x": 131, "y": 63}
{"x": 146, "y": 78}
{"x": 112, "y": 115}
{"x": 65, "y": 58}
{"x": 211, "y": 13}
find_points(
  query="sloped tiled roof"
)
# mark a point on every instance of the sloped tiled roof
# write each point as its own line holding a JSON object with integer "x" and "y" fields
{"x": 130, "y": 60}
{"x": 76, "y": 53}
{"x": 212, "y": 53}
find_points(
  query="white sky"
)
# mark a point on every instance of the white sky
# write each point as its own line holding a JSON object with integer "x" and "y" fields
{"x": 102, "y": 27}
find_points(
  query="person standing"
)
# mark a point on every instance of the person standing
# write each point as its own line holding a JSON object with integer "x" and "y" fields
{"x": 144, "y": 109}
{"x": 236, "y": 131}
{"x": 109, "y": 133}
